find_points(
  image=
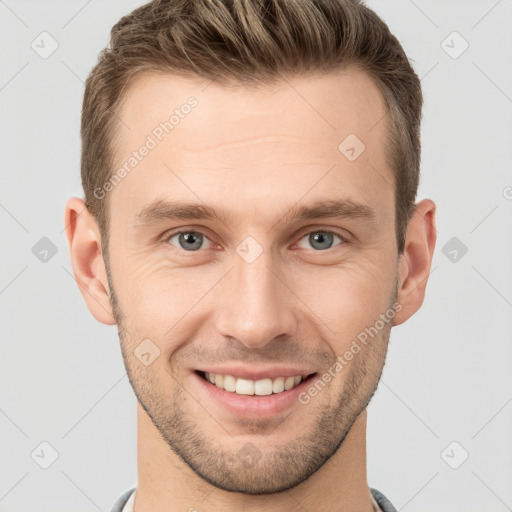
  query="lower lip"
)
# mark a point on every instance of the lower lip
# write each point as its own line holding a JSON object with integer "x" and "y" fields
{"x": 254, "y": 406}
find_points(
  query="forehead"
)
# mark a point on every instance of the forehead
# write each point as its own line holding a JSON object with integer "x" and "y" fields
{"x": 281, "y": 137}
{"x": 346, "y": 101}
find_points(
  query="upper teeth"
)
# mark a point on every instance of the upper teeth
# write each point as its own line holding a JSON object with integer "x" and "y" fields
{"x": 251, "y": 387}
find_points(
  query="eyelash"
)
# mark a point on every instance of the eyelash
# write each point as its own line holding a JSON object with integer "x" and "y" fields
{"x": 170, "y": 235}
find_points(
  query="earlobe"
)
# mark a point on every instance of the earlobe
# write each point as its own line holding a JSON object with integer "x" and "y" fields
{"x": 416, "y": 260}
{"x": 84, "y": 242}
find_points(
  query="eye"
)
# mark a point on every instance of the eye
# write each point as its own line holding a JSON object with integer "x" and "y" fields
{"x": 189, "y": 240}
{"x": 321, "y": 240}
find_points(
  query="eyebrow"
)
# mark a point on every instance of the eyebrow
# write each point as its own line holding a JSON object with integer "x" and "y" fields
{"x": 161, "y": 210}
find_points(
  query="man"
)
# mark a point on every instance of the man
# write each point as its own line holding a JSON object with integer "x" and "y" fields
{"x": 250, "y": 171}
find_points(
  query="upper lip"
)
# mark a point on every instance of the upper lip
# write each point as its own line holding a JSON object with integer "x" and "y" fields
{"x": 257, "y": 373}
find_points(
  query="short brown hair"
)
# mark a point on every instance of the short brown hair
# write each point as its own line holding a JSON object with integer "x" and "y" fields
{"x": 251, "y": 42}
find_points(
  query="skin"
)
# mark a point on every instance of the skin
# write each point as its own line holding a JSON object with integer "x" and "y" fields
{"x": 256, "y": 153}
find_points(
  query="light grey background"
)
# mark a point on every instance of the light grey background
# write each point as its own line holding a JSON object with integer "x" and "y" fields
{"x": 448, "y": 374}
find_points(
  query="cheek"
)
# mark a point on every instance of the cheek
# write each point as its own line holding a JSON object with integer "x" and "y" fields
{"x": 159, "y": 299}
{"x": 347, "y": 299}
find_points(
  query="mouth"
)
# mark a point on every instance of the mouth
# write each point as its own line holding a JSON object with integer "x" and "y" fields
{"x": 249, "y": 387}
{"x": 252, "y": 400}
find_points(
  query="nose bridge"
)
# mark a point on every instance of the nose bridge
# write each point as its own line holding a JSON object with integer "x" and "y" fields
{"x": 255, "y": 306}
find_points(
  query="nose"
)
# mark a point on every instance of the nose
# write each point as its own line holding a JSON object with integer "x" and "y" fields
{"x": 255, "y": 305}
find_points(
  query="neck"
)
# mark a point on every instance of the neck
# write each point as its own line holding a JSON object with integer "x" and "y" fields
{"x": 165, "y": 482}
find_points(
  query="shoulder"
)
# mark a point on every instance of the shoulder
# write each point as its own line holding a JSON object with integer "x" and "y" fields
{"x": 121, "y": 501}
{"x": 383, "y": 502}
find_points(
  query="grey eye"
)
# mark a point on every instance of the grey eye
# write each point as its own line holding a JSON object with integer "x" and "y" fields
{"x": 189, "y": 240}
{"x": 321, "y": 240}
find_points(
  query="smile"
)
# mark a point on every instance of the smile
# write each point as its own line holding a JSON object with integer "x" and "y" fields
{"x": 252, "y": 399}
{"x": 263, "y": 387}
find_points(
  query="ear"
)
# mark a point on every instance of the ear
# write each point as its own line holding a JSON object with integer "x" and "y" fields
{"x": 415, "y": 261}
{"x": 84, "y": 241}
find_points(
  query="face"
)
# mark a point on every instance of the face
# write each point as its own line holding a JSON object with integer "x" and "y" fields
{"x": 244, "y": 242}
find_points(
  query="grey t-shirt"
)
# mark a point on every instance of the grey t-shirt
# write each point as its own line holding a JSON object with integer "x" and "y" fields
{"x": 125, "y": 502}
